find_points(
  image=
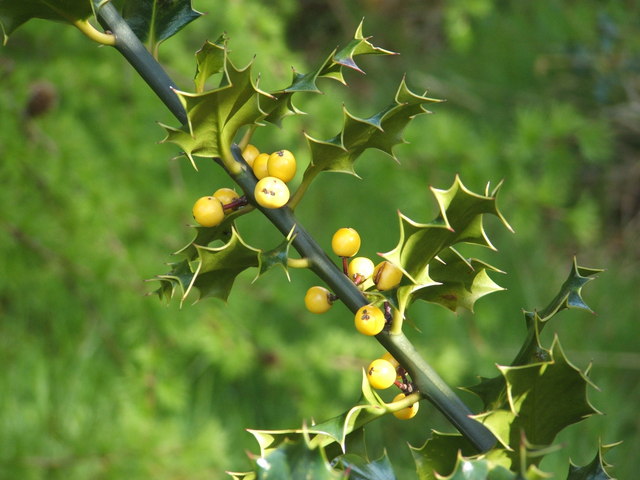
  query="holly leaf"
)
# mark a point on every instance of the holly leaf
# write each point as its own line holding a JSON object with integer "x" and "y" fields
{"x": 215, "y": 116}
{"x": 210, "y": 60}
{"x": 360, "y": 468}
{"x": 480, "y": 469}
{"x": 14, "y": 13}
{"x": 570, "y": 295}
{"x": 212, "y": 273}
{"x": 153, "y": 21}
{"x": 293, "y": 460}
{"x": 541, "y": 400}
{"x": 381, "y": 131}
{"x": 280, "y": 105}
{"x": 460, "y": 220}
{"x": 360, "y": 45}
{"x": 492, "y": 391}
{"x": 335, "y": 430}
{"x": 242, "y": 475}
{"x": 277, "y": 257}
{"x": 459, "y": 282}
{"x": 594, "y": 470}
{"x": 439, "y": 454}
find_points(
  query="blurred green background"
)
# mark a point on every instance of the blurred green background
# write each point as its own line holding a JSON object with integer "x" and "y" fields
{"x": 100, "y": 381}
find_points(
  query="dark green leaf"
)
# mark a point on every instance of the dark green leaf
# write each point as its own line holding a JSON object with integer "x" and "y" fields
{"x": 153, "y": 21}
{"x": 595, "y": 470}
{"x": 570, "y": 295}
{"x": 14, "y": 13}
{"x": 281, "y": 105}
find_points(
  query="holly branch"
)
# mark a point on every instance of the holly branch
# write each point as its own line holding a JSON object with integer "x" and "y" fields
{"x": 427, "y": 381}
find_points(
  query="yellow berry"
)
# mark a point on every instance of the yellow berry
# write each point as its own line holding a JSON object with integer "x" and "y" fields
{"x": 360, "y": 269}
{"x": 282, "y": 165}
{"x": 249, "y": 154}
{"x": 369, "y": 320}
{"x": 345, "y": 242}
{"x": 386, "y": 276}
{"x": 208, "y": 212}
{"x": 226, "y": 196}
{"x": 389, "y": 358}
{"x": 381, "y": 374}
{"x": 260, "y": 166}
{"x": 271, "y": 192}
{"x": 405, "y": 413}
{"x": 318, "y": 300}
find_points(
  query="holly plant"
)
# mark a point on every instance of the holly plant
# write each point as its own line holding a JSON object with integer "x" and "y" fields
{"x": 525, "y": 405}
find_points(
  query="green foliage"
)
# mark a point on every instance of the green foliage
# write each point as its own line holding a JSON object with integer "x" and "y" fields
{"x": 153, "y": 21}
{"x": 359, "y": 468}
{"x": 595, "y": 470}
{"x": 381, "y": 131}
{"x": 216, "y": 116}
{"x": 214, "y": 270}
{"x": 13, "y": 14}
{"x": 541, "y": 399}
{"x": 525, "y": 407}
{"x": 422, "y": 247}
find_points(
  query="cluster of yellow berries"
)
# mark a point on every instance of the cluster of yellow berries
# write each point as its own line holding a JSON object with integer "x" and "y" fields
{"x": 210, "y": 211}
{"x": 382, "y": 373}
{"x": 369, "y": 319}
{"x": 273, "y": 171}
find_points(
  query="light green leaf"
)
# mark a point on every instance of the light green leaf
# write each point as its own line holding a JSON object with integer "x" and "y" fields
{"x": 336, "y": 429}
{"x": 460, "y": 281}
{"x": 153, "y": 21}
{"x": 541, "y": 400}
{"x": 213, "y": 272}
{"x": 362, "y": 469}
{"x": 381, "y": 131}
{"x": 439, "y": 454}
{"x": 215, "y": 116}
{"x": 242, "y": 476}
{"x": 210, "y": 60}
{"x": 14, "y": 13}
{"x": 479, "y": 469}
{"x": 294, "y": 460}
{"x": 460, "y": 220}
